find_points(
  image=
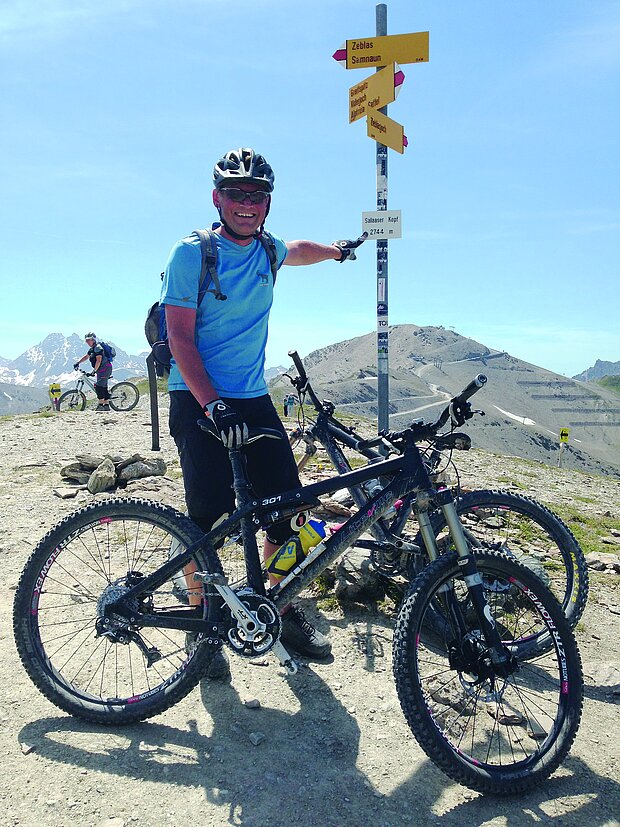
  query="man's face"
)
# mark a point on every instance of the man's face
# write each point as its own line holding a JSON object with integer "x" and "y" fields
{"x": 89, "y": 342}
{"x": 244, "y": 217}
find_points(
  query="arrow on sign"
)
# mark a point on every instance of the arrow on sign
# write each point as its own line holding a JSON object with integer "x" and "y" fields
{"x": 372, "y": 52}
{"x": 375, "y": 92}
{"x": 386, "y": 131}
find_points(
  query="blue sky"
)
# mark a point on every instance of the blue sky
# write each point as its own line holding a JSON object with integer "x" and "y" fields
{"x": 113, "y": 114}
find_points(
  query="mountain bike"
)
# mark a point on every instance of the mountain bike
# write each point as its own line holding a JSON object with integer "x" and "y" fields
{"x": 492, "y": 519}
{"x": 124, "y": 396}
{"x": 101, "y": 633}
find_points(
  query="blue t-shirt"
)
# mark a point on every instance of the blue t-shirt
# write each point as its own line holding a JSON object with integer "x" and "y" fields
{"x": 231, "y": 335}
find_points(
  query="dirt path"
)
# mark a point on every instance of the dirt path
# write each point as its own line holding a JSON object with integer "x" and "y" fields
{"x": 336, "y": 749}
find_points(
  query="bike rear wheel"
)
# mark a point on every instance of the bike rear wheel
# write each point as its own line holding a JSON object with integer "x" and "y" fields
{"x": 127, "y": 673}
{"x": 529, "y": 532}
{"x": 499, "y": 735}
{"x": 72, "y": 401}
{"x": 124, "y": 396}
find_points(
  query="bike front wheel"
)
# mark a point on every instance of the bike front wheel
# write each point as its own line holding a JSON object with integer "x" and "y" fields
{"x": 119, "y": 673}
{"x": 530, "y": 533}
{"x": 72, "y": 401}
{"x": 124, "y": 396}
{"x": 498, "y": 734}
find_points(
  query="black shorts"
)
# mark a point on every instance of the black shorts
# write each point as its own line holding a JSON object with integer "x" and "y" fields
{"x": 207, "y": 475}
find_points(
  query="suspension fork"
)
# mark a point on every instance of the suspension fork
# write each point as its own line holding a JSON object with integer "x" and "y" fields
{"x": 473, "y": 579}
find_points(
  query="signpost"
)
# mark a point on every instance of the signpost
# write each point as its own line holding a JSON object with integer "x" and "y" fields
{"x": 370, "y": 99}
{"x": 54, "y": 394}
{"x": 386, "y": 131}
{"x": 372, "y": 52}
{"x": 376, "y": 91}
{"x": 384, "y": 224}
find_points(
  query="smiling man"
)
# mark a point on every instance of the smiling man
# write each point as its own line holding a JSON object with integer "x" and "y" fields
{"x": 218, "y": 347}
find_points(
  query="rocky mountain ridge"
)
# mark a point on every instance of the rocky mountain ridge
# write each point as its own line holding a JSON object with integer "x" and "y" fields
{"x": 598, "y": 370}
{"x": 525, "y": 406}
{"x": 52, "y": 361}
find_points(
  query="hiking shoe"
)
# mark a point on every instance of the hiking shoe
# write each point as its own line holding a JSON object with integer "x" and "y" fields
{"x": 219, "y": 668}
{"x": 299, "y": 634}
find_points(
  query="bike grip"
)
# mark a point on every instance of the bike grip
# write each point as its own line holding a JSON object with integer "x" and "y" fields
{"x": 299, "y": 365}
{"x": 473, "y": 387}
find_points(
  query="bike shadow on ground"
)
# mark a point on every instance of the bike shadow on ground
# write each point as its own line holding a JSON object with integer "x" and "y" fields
{"x": 301, "y": 751}
{"x": 245, "y": 785}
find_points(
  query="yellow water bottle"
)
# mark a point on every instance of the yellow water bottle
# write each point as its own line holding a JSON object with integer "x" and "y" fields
{"x": 291, "y": 553}
{"x": 311, "y": 534}
{"x": 283, "y": 559}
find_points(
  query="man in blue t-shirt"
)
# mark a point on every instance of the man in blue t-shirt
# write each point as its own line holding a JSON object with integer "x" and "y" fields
{"x": 217, "y": 371}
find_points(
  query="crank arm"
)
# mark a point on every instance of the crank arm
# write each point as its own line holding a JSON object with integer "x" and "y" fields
{"x": 246, "y": 619}
{"x": 289, "y": 663}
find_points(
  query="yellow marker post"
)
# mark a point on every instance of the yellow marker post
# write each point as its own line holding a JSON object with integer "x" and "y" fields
{"x": 54, "y": 394}
{"x": 386, "y": 131}
{"x": 563, "y": 441}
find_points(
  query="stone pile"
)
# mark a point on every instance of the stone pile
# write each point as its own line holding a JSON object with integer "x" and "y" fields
{"x": 106, "y": 473}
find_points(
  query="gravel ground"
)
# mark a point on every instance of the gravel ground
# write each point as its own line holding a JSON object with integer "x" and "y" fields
{"x": 335, "y": 748}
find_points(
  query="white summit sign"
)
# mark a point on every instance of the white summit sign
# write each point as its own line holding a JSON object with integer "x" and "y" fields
{"x": 382, "y": 224}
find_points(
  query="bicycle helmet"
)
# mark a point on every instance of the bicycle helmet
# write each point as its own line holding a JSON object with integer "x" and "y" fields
{"x": 243, "y": 164}
{"x": 90, "y": 336}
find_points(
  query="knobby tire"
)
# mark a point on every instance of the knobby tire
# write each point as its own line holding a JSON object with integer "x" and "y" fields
{"x": 124, "y": 396}
{"x": 72, "y": 401}
{"x": 494, "y": 735}
{"x": 86, "y": 556}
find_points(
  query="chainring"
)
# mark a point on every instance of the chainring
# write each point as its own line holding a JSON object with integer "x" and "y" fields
{"x": 261, "y": 642}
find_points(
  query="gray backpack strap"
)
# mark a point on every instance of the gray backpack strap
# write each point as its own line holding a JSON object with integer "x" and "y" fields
{"x": 272, "y": 254}
{"x": 208, "y": 271}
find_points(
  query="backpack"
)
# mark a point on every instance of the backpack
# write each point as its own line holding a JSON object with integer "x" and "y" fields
{"x": 155, "y": 325}
{"x": 109, "y": 351}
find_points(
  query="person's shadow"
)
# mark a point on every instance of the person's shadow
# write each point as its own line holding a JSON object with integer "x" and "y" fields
{"x": 301, "y": 751}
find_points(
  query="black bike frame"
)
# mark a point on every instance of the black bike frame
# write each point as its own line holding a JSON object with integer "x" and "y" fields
{"x": 409, "y": 474}
{"x": 329, "y": 434}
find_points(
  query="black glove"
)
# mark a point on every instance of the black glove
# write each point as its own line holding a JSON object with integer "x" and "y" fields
{"x": 76, "y": 366}
{"x": 227, "y": 423}
{"x": 348, "y": 248}
{"x": 92, "y": 373}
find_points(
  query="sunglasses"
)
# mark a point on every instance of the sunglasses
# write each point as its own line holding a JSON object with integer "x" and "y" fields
{"x": 239, "y": 196}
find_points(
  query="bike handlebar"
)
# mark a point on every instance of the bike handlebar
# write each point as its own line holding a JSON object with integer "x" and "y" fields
{"x": 473, "y": 387}
{"x": 458, "y": 408}
{"x": 299, "y": 366}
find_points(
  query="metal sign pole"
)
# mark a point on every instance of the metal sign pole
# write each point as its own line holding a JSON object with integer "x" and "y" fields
{"x": 383, "y": 390}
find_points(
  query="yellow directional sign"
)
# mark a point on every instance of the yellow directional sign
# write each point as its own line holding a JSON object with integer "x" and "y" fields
{"x": 375, "y": 92}
{"x": 564, "y": 434}
{"x": 372, "y": 52}
{"x": 54, "y": 393}
{"x": 386, "y": 131}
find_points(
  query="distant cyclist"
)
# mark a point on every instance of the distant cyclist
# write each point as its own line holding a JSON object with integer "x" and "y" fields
{"x": 218, "y": 347}
{"x": 102, "y": 369}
